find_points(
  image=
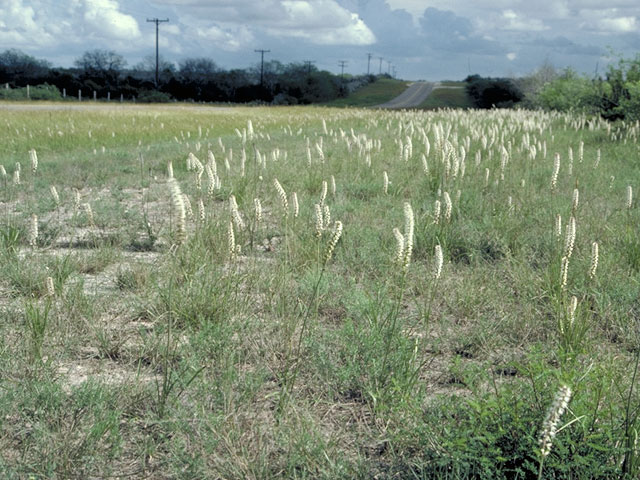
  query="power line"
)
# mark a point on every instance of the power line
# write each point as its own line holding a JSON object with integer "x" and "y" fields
{"x": 342, "y": 64}
{"x": 157, "y": 21}
{"x": 369, "y": 55}
{"x": 262, "y": 52}
{"x": 308, "y": 63}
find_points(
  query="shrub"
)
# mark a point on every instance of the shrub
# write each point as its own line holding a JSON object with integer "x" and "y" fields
{"x": 38, "y": 92}
{"x": 572, "y": 92}
{"x": 153, "y": 96}
{"x": 493, "y": 92}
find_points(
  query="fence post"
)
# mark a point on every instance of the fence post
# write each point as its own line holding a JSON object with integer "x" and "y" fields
{"x": 64, "y": 93}
{"x": 79, "y": 95}
{"x": 109, "y": 96}
{"x": 28, "y": 92}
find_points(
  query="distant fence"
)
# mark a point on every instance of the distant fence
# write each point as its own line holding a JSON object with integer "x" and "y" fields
{"x": 48, "y": 92}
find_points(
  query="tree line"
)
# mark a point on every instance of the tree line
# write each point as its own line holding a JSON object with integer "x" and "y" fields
{"x": 196, "y": 79}
{"x": 613, "y": 95}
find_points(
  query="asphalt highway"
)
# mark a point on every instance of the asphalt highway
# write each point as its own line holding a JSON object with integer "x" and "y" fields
{"x": 411, "y": 97}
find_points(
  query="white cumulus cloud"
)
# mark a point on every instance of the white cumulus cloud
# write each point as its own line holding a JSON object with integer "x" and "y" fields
{"x": 515, "y": 21}
{"x": 323, "y": 22}
{"x": 104, "y": 16}
{"x": 619, "y": 24}
{"x": 31, "y": 24}
{"x": 230, "y": 39}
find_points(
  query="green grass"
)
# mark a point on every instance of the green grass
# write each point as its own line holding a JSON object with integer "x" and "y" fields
{"x": 277, "y": 360}
{"x": 376, "y": 93}
{"x": 452, "y": 96}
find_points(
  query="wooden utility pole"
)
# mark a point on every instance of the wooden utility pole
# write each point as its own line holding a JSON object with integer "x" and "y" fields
{"x": 157, "y": 21}
{"x": 342, "y": 64}
{"x": 262, "y": 52}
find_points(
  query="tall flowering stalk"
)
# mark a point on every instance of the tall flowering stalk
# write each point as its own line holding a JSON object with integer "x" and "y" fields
{"x": 177, "y": 201}
{"x": 323, "y": 192}
{"x": 33, "y": 231}
{"x": 448, "y": 206}
{"x": 292, "y": 366}
{"x": 54, "y": 195}
{"x": 231, "y": 241}
{"x": 404, "y": 250}
{"x": 551, "y": 422}
{"x": 594, "y": 260}
{"x": 399, "y": 255}
{"x": 438, "y": 263}
{"x": 575, "y": 200}
{"x": 33, "y": 156}
{"x": 319, "y": 220}
{"x": 257, "y": 211}
{"x": 283, "y": 197}
{"x": 436, "y": 212}
{"x": 570, "y": 237}
{"x": 409, "y": 224}
{"x": 333, "y": 241}
{"x": 556, "y": 170}
{"x": 294, "y": 205}
{"x": 557, "y": 231}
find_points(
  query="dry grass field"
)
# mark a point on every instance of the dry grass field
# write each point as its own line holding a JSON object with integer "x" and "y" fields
{"x": 256, "y": 293}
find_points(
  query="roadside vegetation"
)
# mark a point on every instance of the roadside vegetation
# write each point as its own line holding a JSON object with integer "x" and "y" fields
{"x": 105, "y": 75}
{"x": 376, "y": 93}
{"x": 448, "y": 95}
{"x": 238, "y": 293}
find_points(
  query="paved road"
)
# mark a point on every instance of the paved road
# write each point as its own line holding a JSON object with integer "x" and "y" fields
{"x": 411, "y": 97}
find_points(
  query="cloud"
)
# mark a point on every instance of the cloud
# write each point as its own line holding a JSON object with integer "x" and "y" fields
{"x": 19, "y": 26}
{"x": 446, "y": 31}
{"x": 104, "y": 18}
{"x": 32, "y": 24}
{"x": 511, "y": 56}
{"x": 514, "y": 21}
{"x": 619, "y": 24}
{"x": 227, "y": 39}
{"x": 562, "y": 44}
{"x": 322, "y": 22}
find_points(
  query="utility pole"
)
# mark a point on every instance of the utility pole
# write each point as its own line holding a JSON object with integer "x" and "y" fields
{"x": 262, "y": 52}
{"x": 157, "y": 21}
{"x": 380, "y": 71}
{"x": 342, "y": 64}
{"x": 308, "y": 63}
{"x": 389, "y": 67}
{"x": 369, "y": 55}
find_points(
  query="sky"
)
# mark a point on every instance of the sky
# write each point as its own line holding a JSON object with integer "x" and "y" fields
{"x": 421, "y": 39}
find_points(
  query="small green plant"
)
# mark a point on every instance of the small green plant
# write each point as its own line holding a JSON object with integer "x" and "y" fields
{"x": 36, "y": 320}
{"x": 630, "y": 459}
{"x": 173, "y": 381}
{"x": 10, "y": 238}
